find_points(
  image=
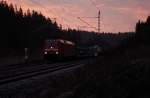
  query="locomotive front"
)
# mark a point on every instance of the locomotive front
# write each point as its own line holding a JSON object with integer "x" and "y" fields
{"x": 59, "y": 48}
{"x": 51, "y": 49}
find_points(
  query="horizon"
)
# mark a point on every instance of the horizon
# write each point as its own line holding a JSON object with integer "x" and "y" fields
{"x": 116, "y": 15}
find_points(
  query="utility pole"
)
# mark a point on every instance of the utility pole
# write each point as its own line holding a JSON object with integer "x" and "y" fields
{"x": 99, "y": 19}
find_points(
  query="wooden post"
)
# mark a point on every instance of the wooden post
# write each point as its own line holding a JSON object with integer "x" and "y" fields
{"x": 26, "y": 54}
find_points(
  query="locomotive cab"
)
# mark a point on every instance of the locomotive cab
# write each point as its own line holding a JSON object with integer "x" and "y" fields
{"x": 58, "y": 48}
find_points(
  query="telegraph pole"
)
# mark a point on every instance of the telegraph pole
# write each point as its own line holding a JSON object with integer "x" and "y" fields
{"x": 99, "y": 19}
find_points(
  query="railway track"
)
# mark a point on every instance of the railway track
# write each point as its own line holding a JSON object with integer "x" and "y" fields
{"x": 16, "y": 73}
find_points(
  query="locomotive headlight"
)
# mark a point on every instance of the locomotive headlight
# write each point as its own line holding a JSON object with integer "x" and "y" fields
{"x": 45, "y": 52}
{"x": 57, "y": 52}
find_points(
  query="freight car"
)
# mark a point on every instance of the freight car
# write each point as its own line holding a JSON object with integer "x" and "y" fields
{"x": 58, "y": 49}
{"x": 90, "y": 51}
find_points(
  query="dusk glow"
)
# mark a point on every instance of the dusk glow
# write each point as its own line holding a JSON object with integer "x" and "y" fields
{"x": 116, "y": 15}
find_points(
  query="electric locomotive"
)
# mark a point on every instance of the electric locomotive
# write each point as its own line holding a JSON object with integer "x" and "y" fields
{"x": 58, "y": 49}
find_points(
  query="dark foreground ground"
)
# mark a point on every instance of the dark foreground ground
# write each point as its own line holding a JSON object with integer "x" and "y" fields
{"x": 119, "y": 74}
{"x": 124, "y": 74}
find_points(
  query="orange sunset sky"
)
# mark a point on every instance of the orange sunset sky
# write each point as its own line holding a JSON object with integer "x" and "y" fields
{"x": 116, "y": 15}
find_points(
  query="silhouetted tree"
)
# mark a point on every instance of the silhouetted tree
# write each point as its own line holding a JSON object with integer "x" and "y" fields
{"x": 143, "y": 31}
{"x": 19, "y": 30}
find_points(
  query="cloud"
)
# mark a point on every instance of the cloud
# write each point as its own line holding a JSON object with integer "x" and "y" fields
{"x": 135, "y": 12}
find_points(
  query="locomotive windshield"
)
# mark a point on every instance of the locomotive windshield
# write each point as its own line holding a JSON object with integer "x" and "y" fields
{"x": 51, "y": 44}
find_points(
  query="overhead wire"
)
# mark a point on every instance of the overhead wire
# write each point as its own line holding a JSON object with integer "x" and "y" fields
{"x": 87, "y": 23}
{"x": 64, "y": 19}
{"x": 94, "y": 4}
{"x": 89, "y": 17}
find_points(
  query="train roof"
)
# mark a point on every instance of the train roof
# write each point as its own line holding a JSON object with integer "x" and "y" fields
{"x": 61, "y": 41}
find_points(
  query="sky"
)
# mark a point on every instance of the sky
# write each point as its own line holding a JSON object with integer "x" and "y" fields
{"x": 116, "y": 15}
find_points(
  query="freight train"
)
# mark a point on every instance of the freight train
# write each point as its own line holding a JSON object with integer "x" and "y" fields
{"x": 59, "y": 49}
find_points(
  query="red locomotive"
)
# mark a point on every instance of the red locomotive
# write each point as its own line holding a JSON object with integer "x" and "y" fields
{"x": 59, "y": 48}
